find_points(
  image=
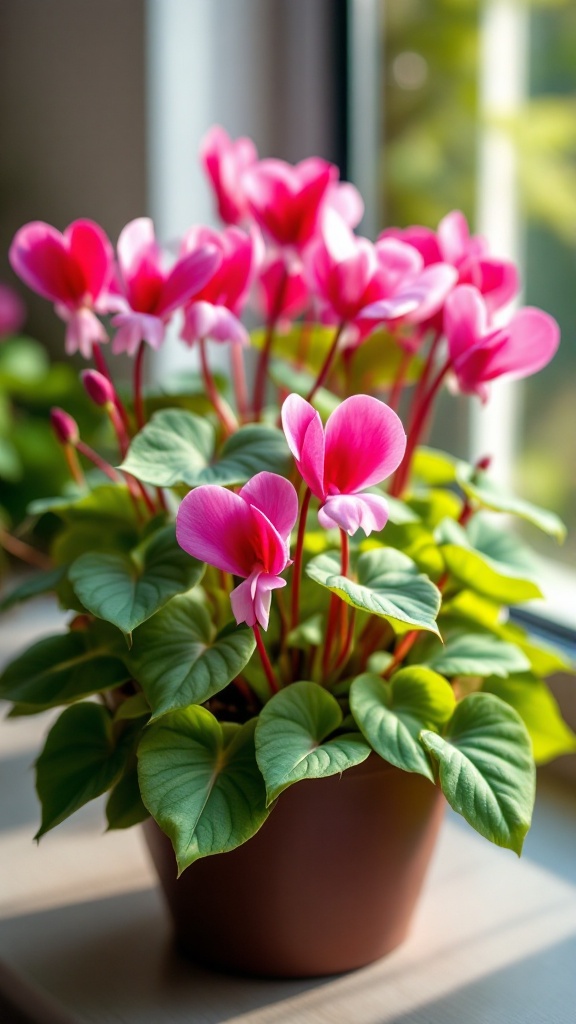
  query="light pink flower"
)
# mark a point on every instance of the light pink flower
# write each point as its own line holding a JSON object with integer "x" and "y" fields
{"x": 12, "y": 311}
{"x": 287, "y": 199}
{"x": 496, "y": 279}
{"x": 225, "y": 162}
{"x": 362, "y": 444}
{"x": 151, "y": 292}
{"x": 73, "y": 270}
{"x": 246, "y": 534}
{"x": 479, "y": 354}
{"x": 215, "y": 309}
{"x": 362, "y": 284}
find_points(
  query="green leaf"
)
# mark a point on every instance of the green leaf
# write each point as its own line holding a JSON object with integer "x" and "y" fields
{"x": 33, "y": 586}
{"x": 60, "y": 669}
{"x": 389, "y": 585}
{"x": 304, "y": 344}
{"x": 178, "y": 660}
{"x": 392, "y": 714}
{"x": 488, "y": 561}
{"x": 532, "y": 699}
{"x": 176, "y": 446}
{"x": 124, "y": 806}
{"x": 476, "y": 654}
{"x": 486, "y": 768}
{"x": 127, "y": 589}
{"x": 11, "y": 467}
{"x": 207, "y": 795}
{"x": 135, "y": 706}
{"x": 490, "y": 495}
{"x": 79, "y": 762}
{"x": 309, "y": 633}
{"x": 290, "y": 735}
{"x": 376, "y": 363}
{"x": 433, "y": 467}
{"x": 107, "y": 503}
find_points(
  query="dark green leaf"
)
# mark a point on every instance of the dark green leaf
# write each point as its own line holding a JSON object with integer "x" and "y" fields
{"x": 291, "y": 738}
{"x": 486, "y": 768}
{"x": 33, "y": 586}
{"x": 124, "y": 806}
{"x": 206, "y": 794}
{"x": 178, "y": 660}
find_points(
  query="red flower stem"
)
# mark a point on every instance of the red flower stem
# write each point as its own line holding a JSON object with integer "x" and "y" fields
{"x": 102, "y": 367}
{"x": 402, "y": 649}
{"x": 400, "y": 380}
{"x": 327, "y": 364}
{"x": 345, "y": 652}
{"x": 19, "y": 549}
{"x": 420, "y": 417}
{"x": 423, "y": 382}
{"x": 269, "y": 671}
{"x": 74, "y": 466}
{"x": 338, "y": 608}
{"x": 119, "y": 428}
{"x": 239, "y": 381}
{"x": 264, "y": 359}
{"x": 223, "y": 412}
{"x": 138, "y": 382}
{"x": 161, "y": 499}
{"x": 297, "y": 571}
{"x": 98, "y": 461}
{"x": 345, "y": 565}
{"x": 330, "y": 630}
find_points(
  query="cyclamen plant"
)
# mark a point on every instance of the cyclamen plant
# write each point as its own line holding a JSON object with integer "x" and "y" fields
{"x": 269, "y": 578}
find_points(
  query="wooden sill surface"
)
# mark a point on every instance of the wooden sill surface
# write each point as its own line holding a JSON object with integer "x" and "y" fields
{"x": 84, "y": 938}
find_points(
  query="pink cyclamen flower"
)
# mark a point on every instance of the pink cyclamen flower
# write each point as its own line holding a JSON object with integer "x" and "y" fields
{"x": 362, "y": 284}
{"x": 153, "y": 293}
{"x": 479, "y": 354}
{"x": 362, "y": 444}
{"x": 225, "y": 162}
{"x": 12, "y": 311}
{"x": 73, "y": 270}
{"x": 287, "y": 199}
{"x": 496, "y": 279}
{"x": 281, "y": 288}
{"x": 215, "y": 309}
{"x": 246, "y": 534}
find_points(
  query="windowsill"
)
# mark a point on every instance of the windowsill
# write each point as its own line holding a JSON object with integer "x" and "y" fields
{"x": 83, "y": 926}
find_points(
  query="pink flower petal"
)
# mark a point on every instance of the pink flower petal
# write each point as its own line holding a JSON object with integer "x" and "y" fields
{"x": 203, "y": 320}
{"x": 92, "y": 252}
{"x": 216, "y": 526}
{"x": 465, "y": 320}
{"x": 346, "y": 200}
{"x": 276, "y": 498}
{"x": 305, "y": 436}
{"x": 430, "y": 289}
{"x": 39, "y": 256}
{"x": 532, "y": 338}
{"x": 352, "y": 512}
{"x": 12, "y": 311}
{"x": 132, "y": 328}
{"x": 454, "y": 237}
{"x": 187, "y": 277}
{"x": 365, "y": 443}
{"x": 251, "y": 599}
{"x": 83, "y": 330}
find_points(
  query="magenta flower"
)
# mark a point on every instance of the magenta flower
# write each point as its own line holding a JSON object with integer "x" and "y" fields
{"x": 479, "y": 355}
{"x": 152, "y": 293}
{"x": 496, "y": 279}
{"x": 214, "y": 310}
{"x": 73, "y": 270}
{"x": 362, "y": 284}
{"x": 362, "y": 444}
{"x": 246, "y": 534}
{"x": 225, "y": 162}
{"x": 287, "y": 199}
{"x": 12, "y": 311}
{"x": 281, "y": 288}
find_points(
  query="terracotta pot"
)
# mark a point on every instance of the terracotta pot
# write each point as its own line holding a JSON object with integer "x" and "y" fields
{"x": 327, "y": 885}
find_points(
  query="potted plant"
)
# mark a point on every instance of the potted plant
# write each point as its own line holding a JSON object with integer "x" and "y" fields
{"x": 288, "y": 641}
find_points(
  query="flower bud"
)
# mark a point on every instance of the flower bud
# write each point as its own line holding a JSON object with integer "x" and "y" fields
{"x": 98, "y": 387}
{"x": 64, "y": 426}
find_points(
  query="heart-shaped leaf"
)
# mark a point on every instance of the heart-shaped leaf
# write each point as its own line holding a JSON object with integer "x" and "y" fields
{"x": 80, "y": 760}
{"x": 62, "y": 668}
{"x": 486, "y": 768}
{"x": 531, "y": 698}
{"x": 290, "y": 735}
{"x": 392, "y": 714}
{"x": 176, "y": 446}
{"x": 475, "y": 654}
{"x": 178, "y": 660}
{"x": 491, "y": 495}
{"x": 488, "y": 561}
{"x": 389, "y": 585}
{"x": 201, "y": 783}
{"x": 127, "y": 589}
{"x": 124, "y": 806}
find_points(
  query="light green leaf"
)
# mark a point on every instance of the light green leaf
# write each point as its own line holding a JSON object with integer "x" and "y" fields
{"x": 107, "y": 503}
{"x": 389, "y": 585}
{"x": 488, "y": 561}
{"x": 178, "y": 660}
{"x": 290, "y": 735}
{"x": 309, "y": 633}
{"x": 531, "y": 698}
{"x": 490, "y": 495}
{"x": 62, "y": 668}
{"x": 486, "y": 768}
{"x": 392, "y": 714}
{"x": 127, "y": 589}
{"x": 80, "y": 761}
{"x": 207, "y": 795}
{"x": 476, "y": 654}
{"x": 176, "y": 446}
{"x": 433, "y": 467}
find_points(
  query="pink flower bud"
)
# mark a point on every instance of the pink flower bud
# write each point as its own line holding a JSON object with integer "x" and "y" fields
{"x": 98, "y": 387}
{"x": 64, "y": 426}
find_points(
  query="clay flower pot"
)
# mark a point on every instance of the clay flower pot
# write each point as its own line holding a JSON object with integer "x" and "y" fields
{"x": 327, "y": 885}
